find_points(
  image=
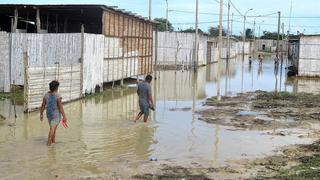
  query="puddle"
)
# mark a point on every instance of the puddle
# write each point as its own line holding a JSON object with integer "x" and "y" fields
{"x": 103, "y": 139}
{"x": 249, "y": 113}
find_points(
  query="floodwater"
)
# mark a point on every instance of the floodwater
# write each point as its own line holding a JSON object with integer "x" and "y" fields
{"x": 103, "y": 139}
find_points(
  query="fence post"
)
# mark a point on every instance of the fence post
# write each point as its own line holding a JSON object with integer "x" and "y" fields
{"x": 81, "y": 60}
{"x": 26, "y": 81}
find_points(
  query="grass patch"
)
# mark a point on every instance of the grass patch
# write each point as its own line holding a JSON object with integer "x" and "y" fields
{"x": 308, "y": 169}
{"x": 18, "y": 95}
{"x": 4, "y": 96}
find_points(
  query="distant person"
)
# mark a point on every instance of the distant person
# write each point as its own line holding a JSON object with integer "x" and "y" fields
{"x": 52, "y": 102}
{"x": 260, "y": 57}
{"x": 250, "y": 60}
{"x": 145, "y": 98}
{"x": 276, "y": 60}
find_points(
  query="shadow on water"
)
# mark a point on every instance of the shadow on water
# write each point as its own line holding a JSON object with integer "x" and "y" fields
{"x": 102, "y": 131}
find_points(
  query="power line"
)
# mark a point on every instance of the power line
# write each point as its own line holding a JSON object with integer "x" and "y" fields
{"x": 235, "y": 8}
{"x": 192, "y": 12}
{"x": 262, "y": 16}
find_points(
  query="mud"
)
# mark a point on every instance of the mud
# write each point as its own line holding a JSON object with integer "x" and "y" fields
{"x": 294, "y": 162}
{"x": 272, "y": 111}
{"x": 263, "y": 111}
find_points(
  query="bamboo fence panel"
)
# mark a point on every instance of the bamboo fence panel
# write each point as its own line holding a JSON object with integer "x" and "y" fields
{"x": 4, "y": 62}
{"x": 39, "y": 77}
{"x": 43, "y": 50}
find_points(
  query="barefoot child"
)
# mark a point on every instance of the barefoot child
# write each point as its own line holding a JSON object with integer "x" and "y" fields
{"x": 52, "y": 103}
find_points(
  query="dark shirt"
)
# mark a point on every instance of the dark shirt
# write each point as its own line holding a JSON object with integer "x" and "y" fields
{"x": 144, "y": 91}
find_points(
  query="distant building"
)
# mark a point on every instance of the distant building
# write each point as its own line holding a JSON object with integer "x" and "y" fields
{"x": 305, "y": 53}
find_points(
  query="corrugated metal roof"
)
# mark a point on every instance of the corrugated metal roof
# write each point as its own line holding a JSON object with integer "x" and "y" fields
{"x": 100, "y": 6}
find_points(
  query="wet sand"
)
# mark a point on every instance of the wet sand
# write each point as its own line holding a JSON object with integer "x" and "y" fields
{"x": 104, "y": 142}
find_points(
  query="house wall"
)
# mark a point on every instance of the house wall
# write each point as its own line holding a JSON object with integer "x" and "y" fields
{"x": 178, "y": 48}
{"x": 270, "y": 45}
{"x": 309, "y": 56}
{"x": 307, "y": 85}
{"x": 4, "y": 62}
{"x": 133, "y": 37}
{"x": 44, "y": 50}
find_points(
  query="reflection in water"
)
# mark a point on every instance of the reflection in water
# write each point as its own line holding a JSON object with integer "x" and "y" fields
{"x": 102, "y": 131}
{"x": 260, "y": 70}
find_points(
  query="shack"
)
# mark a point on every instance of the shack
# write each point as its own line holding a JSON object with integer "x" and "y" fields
{"x": 305, "y": 52}
{"x": 83, "y": 46}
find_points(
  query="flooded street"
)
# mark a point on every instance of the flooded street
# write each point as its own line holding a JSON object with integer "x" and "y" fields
{"x": 104, "y": 141}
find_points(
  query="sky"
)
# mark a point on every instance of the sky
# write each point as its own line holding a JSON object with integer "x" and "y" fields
{"x": 305, "y": 13}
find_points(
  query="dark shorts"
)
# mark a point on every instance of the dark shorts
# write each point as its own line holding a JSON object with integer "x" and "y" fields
{"x": 144, "y": 108}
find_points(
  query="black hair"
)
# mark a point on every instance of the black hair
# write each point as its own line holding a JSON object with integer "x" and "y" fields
{"x": 149, "y": 78}
{"x": 53, "y": 85}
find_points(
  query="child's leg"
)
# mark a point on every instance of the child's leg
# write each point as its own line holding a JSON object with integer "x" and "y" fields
{"x": 50, "y": 135}
{"x": 54, "y": 134}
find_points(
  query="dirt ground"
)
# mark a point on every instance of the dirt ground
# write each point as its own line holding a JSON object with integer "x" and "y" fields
{"x": 258, "y": 111}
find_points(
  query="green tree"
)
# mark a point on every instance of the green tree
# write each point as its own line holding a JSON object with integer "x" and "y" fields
{"x": 270, "y": 35}
{"x": 249, "y": 34}
{"x": 161, "y": 26}
{"x": 192, "y": 30}
{"x": 214, "y": 31}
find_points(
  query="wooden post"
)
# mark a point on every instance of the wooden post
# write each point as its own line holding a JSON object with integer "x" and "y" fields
{"x": 139, "y": 29}
{"x": 278, "y": 38}
{"x": 26, "y": 82}
{"x": 82, "y": 60}
{"x": 123, "y": 44}
{"x": 15, "y": 22}
{"x": 132, "y": 49}
{"x": 156, "y": 54}
{"x": 38, "y": 21}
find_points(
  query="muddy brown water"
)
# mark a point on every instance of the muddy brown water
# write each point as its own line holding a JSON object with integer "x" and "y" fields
{"x": 103, "y": 139}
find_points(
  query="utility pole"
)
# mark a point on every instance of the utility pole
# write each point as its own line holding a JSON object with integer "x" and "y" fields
{"x": 220, "y": 49}
{"x": 228, "y": 33}
{"x": 279, "y": 15}
{"x": 243, "y": 36}
{"x": 282, "y": 34}
{"x": 254, "y": 36}
{"x": 290, "y": 19}
{"x": 150, "y": 6}
{"x": 220, "y": 29}
{"x": 231, "y": 25}
{"x": 167, "y": 14}
{"x": 259, "y": 29}
{"x": 244, "y": 32}
{"x": 196, "y": 40}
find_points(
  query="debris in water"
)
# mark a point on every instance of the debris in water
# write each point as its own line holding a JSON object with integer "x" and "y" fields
{"x": 153, "y": 159}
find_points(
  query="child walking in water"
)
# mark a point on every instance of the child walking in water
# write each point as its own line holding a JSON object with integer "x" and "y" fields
{"x": 52, "y": 103}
